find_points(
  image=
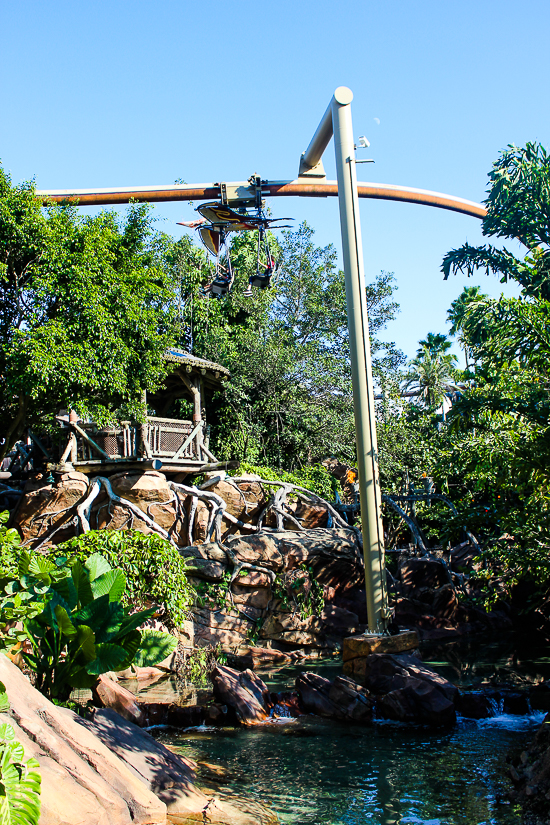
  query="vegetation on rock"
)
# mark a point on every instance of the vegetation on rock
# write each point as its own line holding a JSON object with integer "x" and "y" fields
{"x": 155, "y": 572}
{"x": 70, "y": 614}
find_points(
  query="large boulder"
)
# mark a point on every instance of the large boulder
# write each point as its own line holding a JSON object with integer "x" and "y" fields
{"x": 295, "y": 631}
{"x": 424, "y": 573}
{"x": 82, "y": 779}
{"x": 221, "y": 627}
{"x": 149, "y": 490}
{"x": 408, "y": 691}
{"x": 340, "y": 699}
{"x": 244, "y": 692}
{"x": 247, "y": 504}
{"x": 107, "y": 771}
{"x": 106, "y": 693}
{"x": 171, "y": 776}
{"x": 530, "y": 773}
{"x": 44, "y": 506}
{"x": 331, "y": 558}
{"x": 206, "y": 561}
{"x": 260, "y": 549}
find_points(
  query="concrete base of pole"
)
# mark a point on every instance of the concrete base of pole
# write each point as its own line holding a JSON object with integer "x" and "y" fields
{"x": 356, "y": 649}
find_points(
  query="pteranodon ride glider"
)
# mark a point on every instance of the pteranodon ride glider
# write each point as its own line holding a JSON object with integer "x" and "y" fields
{"x": 217, "y": 221}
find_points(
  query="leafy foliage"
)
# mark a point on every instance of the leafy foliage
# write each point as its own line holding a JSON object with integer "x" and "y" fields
{"x": 494, "y": 455}
{"x": 312, "y": 477}
{"x": 87, "y": 307}
{"x": 289, "y": 402}
{"x": 432, "y": 374}
{"x": 199, "y": 662}
{"x": 72, "y": 617}
{"x": 300, "y": 592}
{"x": 19, "y": 780}
{"x": 154, "y": 570}
{"x": 517, "y": 207}
{"x": 9, "y": 545}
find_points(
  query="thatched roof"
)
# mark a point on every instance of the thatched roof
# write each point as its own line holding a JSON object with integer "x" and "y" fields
{"x": 186, "y": 359}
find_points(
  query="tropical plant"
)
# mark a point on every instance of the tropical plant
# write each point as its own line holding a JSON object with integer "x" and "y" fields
{"x": 155, "y": 572}
{"x": 432, "y": 376}
{"x": 72, "y": 617}
{"x": 19, "y": 780}
{"x": 9, "y": 546}
{"x": 457, "y": 313}
{"x": 435, "y": 343}
{"x": 517, "y": 208}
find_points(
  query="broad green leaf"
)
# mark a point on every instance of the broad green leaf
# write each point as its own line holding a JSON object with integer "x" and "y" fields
{"x": 96, "y": 566}
{"x": 134, "y": 620}
{"x": 109, "y": 630}
{"x": 131, "y": 644}
{"x": 40, "y": 566}
{"x": 93, "y": 613}
{"x": 155, "y": 646}
{"x": 86, "y": 642}
{"x": 4, "y": 701}
{"x": 19, "y": 786}
{"x": 113, "y": 583}
{"x": 65, "y": 588}
{"x": 65, "y": 625}
{"x": 13, "y": 537}
{"x": 24, "y": 562}
{"x": 108, "y": 657}
{"x": 81, "y": 679}
{"x": 81, "y": 580}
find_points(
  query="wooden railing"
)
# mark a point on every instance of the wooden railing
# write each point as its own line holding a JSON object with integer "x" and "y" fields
{"x": 168, "y": 439}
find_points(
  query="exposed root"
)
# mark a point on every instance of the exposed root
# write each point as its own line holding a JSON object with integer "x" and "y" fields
{"x": 277, "y": 504}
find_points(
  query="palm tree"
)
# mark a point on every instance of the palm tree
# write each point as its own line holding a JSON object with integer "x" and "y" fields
{"x": 457, "y": 313}
{"x": 432, "y": 376}
{"x": 436, "y": 343}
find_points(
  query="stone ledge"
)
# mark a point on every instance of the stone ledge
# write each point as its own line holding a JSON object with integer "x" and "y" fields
{"x": 357, "y": 647}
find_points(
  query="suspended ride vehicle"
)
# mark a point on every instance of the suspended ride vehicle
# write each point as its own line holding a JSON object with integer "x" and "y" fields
{"x": 218, "y": 220}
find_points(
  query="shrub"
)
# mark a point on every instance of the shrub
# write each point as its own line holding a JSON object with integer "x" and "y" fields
{"x": 9, "y": 546}
{"x": 155, "y": 571}
{"x": 72, "y": 616}
{"x": 315, "y": 478}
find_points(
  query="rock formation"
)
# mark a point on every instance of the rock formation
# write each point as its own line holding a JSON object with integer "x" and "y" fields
{"x": 340, "y": 699}
{"x": 107, "y": 771}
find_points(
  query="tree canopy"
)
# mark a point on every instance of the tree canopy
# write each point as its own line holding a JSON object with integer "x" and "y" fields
{"x": 89, "y": 305}
{"x": 87, "y": 308}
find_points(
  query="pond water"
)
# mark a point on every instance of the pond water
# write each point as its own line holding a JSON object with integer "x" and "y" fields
{"x": 318, "y": 772}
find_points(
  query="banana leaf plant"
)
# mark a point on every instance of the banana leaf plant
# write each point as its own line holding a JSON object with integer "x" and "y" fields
{"x": 19, "y": 780}
{"x": 77, "y": 628}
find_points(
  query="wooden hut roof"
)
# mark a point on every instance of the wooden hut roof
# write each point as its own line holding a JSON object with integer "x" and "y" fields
{"x": 184, "y": 359}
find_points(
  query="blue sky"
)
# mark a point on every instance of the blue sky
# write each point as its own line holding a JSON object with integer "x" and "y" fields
{"x": 107, "y": 94}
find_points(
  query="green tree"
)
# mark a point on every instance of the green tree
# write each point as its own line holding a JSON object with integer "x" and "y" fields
{"x": 432, "y": 376}
{"x": 518, "y": 207}
{"x": 457, "y": 313}
{"x": 435, "y": 343}
{"x": 88, "y": 305}
{"x": 289, "y": 400}
{"x": 496, "y": 450}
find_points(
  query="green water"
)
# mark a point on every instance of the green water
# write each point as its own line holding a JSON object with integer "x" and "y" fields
{"x": 316, "y": 772}
{"x": 312, "y": 771}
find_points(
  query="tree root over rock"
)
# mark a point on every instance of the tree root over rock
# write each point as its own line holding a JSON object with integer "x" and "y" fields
{"x": 78, "y": 515}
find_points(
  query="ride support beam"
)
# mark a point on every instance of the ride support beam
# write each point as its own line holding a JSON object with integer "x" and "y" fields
{"x": 360, "y": 357}
{"x": 301, "y": 187}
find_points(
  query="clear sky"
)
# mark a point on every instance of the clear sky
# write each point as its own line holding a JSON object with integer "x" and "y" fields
{"x": 119, "y": 92}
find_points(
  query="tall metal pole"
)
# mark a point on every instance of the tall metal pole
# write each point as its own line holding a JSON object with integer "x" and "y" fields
{"x": 360, "y": 356}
